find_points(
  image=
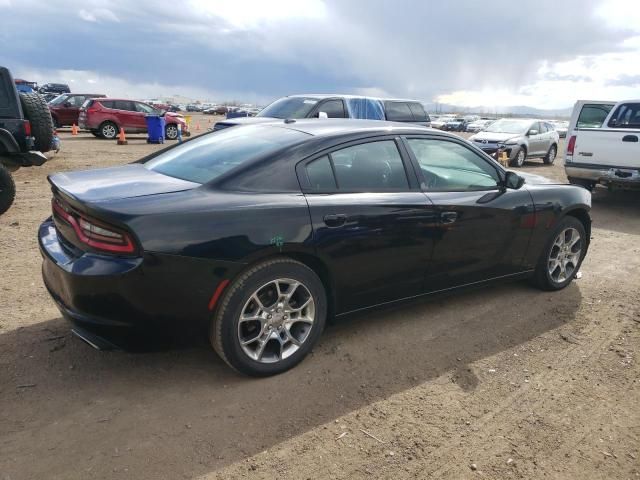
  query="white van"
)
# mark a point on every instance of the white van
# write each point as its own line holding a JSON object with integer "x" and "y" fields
{"x": 603, "y": 146}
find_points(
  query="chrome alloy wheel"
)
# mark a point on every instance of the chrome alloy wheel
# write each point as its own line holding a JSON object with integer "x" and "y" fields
{"x": 171, "y": 132}
{"x": 109, "y": 131}
{"x": 565, "y": 255}
{"x": 552, "y": 155}
{"x": 520, "y": 158}
{"x": 276, "y": 320}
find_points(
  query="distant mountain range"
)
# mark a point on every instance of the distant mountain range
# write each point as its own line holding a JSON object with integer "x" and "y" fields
{"x": 518, "y": 111}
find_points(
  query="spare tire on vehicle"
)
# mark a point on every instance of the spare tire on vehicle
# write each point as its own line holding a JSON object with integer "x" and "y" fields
{"x": 37, "y": 112}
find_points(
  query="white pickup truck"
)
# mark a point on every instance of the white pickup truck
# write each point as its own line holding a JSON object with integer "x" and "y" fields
{"x": 603, "y": 146}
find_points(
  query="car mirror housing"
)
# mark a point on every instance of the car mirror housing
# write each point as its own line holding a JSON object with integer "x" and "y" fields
{"x": 513, "y": 181}
{"x": 323, "y": 115}
{"x": 532, "y": 132}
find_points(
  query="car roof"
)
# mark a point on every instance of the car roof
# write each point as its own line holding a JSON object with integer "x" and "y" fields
{"x": 340, "y": 95}
{"x": 339, "y": 126}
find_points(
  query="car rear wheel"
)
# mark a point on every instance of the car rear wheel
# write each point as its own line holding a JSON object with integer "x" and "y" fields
{"x": 7, "y": 190}
{"x": 109, "y": 130}
{"x": 551, "y": 155}
{"x": 171, "y": 131}
{"x": 270, "y": 317}
{"x": 520, "y": 157}
{"x": 562, "y": 255}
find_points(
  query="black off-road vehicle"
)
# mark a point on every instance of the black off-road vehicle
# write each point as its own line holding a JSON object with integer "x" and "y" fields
{"x": 26, "y": 131}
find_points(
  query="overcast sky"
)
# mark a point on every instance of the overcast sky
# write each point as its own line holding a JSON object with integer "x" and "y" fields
{"x": 543, "y": 53}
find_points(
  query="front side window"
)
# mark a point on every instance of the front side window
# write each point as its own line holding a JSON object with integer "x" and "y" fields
{"x": 593, "y": 115}
{"x": 144, "y": 108}
{"x": 333, "y": 108}
{"x": 449, "y": 166}
{"x": 626, "y": 115}
{"x": 205, "y": 158}
{"x": 374, "y": 166}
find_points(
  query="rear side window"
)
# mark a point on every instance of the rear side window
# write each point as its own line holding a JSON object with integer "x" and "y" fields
{"x": 333, "y": 108}
{"x": 205, "y": 158}
{"x": 419, "y": 115}
{"x": 626, "y": 115}
{"x": 398, "y": 112}
{"x": 374, "y": 166}
{"x": 593, "y": 116}
{"x": 107, "y": 103}
{"x": 124, "y": 105}
{"x": 320, "y": 175}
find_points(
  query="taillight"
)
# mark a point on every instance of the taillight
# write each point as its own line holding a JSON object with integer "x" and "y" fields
{"x": 27, "y": 127}
{"x": 95, "y": 234}
{"x": 571, "y": 145}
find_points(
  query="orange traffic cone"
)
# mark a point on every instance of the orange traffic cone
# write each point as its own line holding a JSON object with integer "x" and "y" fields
{"x": 122, "y": 140}
{"x": 74, "y": 129}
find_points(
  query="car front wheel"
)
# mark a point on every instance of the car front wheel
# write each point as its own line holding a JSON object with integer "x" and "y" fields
{"x": 270, "y": 317}
{"x": 520, "y": 157}
{"x": 562, "y": 255}
{"x": 171, "y": 131}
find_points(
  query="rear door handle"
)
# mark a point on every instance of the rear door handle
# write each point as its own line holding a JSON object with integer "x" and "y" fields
{"x": 630, "y": 138}
{"x": 335, "y": 220}
{"x": 448, "y": 217}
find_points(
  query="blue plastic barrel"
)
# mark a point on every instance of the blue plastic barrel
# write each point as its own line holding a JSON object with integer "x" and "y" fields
{"x": 155, "y": 128}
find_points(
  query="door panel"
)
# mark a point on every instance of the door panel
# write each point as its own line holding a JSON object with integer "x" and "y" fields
{"x": 487, "y": 236}
{"x": 376, "y": 244}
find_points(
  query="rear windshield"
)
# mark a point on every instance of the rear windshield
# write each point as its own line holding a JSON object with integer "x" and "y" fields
{"x": 593, "y": 115}
{"x": 203, "y": 159}
{"x": 290, "y": 107}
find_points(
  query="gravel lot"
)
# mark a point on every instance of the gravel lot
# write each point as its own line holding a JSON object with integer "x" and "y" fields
{"x": 503, "y": 382}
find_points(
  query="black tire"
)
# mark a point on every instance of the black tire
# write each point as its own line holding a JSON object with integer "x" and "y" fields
{"x": 7, "y": 190}
{"x": 551, "y": 155}
{"x": 588, "y": 184}
{"x": 519, "y": 157}
{"x": 542, "y": 278}
{"x": 171, "y": 131}
{"x": 224, "y": 328}
{"x": 108, "y": 130}
{"x": 35, "y": 110}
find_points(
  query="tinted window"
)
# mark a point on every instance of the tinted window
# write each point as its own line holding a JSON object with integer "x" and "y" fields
{"x": 371, "y": 166}
{"x": 626, "y": 116}
{"x": 534, "y": 126}
{"x": 107, "y": 103}
{"x": 543, "y": 127}
{"x": 419, "y": 115}
{"x": 76, "y": 100}
{"x": 450, "y": 166}
{"x": 398, "y": 112}
{"x": 203, "y": 159}
{"x": 124, "y": 105}
{"x": 320, "y": 175}
{"x": 289, "y": 107}
{"x": 593, "y": 116}
{"x": 333, "y": 108}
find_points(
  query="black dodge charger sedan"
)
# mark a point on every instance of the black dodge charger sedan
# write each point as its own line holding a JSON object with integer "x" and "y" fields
{"x": 263, "y": 231}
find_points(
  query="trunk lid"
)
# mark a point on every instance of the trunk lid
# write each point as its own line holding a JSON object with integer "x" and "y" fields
{"x": 106, "y": 184}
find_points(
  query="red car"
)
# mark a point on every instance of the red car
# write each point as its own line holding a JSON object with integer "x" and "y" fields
{"x": 105, "y": 116}
{"x": 65, "y": 108}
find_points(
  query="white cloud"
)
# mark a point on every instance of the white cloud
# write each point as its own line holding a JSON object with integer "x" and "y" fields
{"x": 98, "y": 15}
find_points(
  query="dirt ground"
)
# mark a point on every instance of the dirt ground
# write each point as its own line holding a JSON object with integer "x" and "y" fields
{"x": 503, "y": 382}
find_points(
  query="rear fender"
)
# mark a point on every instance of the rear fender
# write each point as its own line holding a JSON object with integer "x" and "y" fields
{"x": 8, "y": 143}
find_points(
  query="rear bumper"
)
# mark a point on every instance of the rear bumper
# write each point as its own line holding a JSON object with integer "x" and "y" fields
{"x": 606, "y": 175}
{"x": 125, "y": 300}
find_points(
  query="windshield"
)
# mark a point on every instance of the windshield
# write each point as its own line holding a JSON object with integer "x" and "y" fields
{"x": 508, "y": 126}
{"x": 289, "y": 107}
{"x": 203, "y": 159}
{"x": 59, "y": 99}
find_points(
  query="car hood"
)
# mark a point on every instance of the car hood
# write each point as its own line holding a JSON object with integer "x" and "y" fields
{"x": 494, "y": 136}
{"x": 533, "y": 179}
{"x": 105, "y": 184}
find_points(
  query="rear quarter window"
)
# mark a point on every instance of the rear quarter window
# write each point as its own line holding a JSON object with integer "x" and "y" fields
{"x": 593, "y": 115}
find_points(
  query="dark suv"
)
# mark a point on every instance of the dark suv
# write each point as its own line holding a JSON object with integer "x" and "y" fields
{"x": 26, "y": 130}
{"x": 54, "y": 88}
{"x": 65, "y": 108}
{"x": 336, "y": 106}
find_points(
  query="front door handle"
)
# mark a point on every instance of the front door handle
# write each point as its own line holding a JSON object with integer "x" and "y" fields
{"x": 630, "y": 138}
{"x": 335, "y": 220}
{"x": 448, "y": 217}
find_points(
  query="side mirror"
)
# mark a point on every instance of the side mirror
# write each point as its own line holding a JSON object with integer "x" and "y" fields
{"x": 532, "y": 132}
{"x": 513, "y": 181}
{"x": 323, "y": 115}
